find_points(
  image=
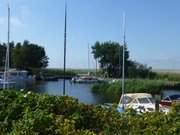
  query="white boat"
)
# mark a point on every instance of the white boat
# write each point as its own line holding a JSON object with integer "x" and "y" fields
{"x": 12, "y": 78}
{"x": 121, "y": 107}
{"x": 16, "y": 79}
{"x": 84, "y": 79}
{"x": 141, "y": 102}
{"x": 5, "y": 81}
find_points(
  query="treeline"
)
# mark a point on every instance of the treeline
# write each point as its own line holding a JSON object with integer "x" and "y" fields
{"x": 34, "y": 114}
{"x": 110, "y": 57}
{"x": 24, "y": 55}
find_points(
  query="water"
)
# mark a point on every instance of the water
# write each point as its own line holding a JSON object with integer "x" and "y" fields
{"x": 82, "y": 92}
{"x": 166, "y": 93}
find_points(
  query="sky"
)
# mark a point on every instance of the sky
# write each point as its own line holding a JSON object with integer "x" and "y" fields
{"x": 152, "y": 28}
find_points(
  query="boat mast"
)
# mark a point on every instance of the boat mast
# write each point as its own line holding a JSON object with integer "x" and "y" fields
{"x": 6, "y": 70}
{"x": 123, "y": 67}
{"x": 64, "y": 81}
{"x": 88, "y": 61}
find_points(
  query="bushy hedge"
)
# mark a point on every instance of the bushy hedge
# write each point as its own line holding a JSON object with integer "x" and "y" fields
{"x": 112, "y": 91}
{"x": 34, "y": 114}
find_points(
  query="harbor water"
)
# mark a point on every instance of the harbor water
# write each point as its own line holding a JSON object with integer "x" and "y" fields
{"x": 80, "y": 91}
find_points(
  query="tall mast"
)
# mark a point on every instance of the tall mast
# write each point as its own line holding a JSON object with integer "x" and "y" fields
{"x": 6, "y": 70}
{"x": 123, "y": 67}
{"x": 64, "y": 81}
{"x": 88, "y": 60}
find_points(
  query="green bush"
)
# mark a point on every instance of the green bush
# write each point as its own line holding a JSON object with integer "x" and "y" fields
{"x": 34, "y": 114}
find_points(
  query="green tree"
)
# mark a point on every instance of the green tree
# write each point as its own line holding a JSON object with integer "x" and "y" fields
{"x": 109, "y": 55}
{"x": 29, "y": 55}
{"x": 2, "y": 55}
{"x": 3, "y": 47}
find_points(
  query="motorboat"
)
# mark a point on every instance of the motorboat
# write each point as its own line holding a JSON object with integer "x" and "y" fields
{"x": 141, "y": 102}
{"x": 168, "y": 100}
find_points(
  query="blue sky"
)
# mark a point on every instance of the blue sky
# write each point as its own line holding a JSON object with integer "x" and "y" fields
{"x": 153, "y": 28}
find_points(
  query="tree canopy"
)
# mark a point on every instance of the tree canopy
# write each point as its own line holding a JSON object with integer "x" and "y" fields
{"x": 24, "y": 55}
{"x": 110, "y": 57}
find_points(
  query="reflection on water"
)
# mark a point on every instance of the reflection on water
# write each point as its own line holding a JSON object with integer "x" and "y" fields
{"x": 80, "y": 91}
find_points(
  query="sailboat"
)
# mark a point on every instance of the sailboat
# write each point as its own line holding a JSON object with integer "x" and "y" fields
{"x": 12, "y": 78}
{"x": 85, "y": 78}
{"x": 121, "y": 105}
{"x": 141, "y": 102}
{"x": 5, "y": 82}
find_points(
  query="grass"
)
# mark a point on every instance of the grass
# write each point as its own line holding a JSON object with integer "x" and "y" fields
{"x": 112, "y": 91}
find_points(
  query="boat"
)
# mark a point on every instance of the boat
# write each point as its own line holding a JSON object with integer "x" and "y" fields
{"x": 141, "y": 102}
{"x": 121, "y": 105}
{"x": 84, "y": 79}
{"x": 5, "y": 81}
{"x": 16, "y": 79}
{"x": 168, "y": 100}
{"x": 12, "y": 78}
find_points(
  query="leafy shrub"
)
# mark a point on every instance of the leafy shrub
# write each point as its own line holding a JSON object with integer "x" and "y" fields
{"x": 36, "y": 114}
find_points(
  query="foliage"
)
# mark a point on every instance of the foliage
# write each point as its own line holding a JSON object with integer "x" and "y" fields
{"x": 28, "y": 55}
{"x": 112, "y": 91}
{"x": 34, "y": 114}
{"x": 3, "y": 53}
{"x": 24, "y": 55}
{"x": 110, "y": 56}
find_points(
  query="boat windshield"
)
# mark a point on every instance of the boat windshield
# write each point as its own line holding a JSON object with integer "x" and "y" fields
{"x": 145, "y": 100}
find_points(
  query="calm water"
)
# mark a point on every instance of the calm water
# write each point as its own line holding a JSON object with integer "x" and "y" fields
{"x": 80, "y": 91}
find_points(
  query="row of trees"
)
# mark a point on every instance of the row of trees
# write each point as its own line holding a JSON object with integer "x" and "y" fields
{"x": 110, "y": 56}
{"x": 24, "y": 55}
